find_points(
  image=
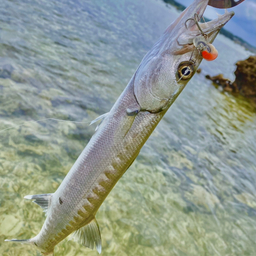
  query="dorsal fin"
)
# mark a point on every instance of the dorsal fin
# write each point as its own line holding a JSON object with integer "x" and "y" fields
{"x": 89, "y": 235}
{"x": 43, "y": 200}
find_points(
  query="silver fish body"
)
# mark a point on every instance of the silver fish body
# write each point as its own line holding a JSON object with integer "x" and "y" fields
{"x": 110, "y": 152}
{"x": 118, "y": 140}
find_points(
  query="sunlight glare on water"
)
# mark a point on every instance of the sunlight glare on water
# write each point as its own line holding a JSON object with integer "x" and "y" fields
{"x": 191, "y": 190}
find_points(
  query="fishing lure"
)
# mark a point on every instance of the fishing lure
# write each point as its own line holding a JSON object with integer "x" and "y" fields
{"x": 224, "y": 4}
{"x": 207, "y": 50}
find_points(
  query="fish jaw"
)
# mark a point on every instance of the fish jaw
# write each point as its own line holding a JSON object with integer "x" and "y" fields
{"x": 210, "y": 29}
{"x": 178, "y": 27}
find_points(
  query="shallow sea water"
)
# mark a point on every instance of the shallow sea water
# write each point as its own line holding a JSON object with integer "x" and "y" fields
{"x": 191, "y": 190}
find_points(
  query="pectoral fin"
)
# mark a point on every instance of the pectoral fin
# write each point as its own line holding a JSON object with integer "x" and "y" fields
{"x": 89, "y": 235}
{"x": 43, "y": 200}
{"x": 133, "y": 110}
{"x": 99, "y": 119}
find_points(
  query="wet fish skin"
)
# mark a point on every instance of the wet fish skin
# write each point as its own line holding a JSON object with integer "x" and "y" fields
{"x": 118, "y": 140}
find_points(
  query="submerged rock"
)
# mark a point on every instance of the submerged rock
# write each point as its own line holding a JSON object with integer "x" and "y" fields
{"x": 201, "y": 197}
{"x": 246, "y": 77}
{"x": 6, "y": 71}
{"x": 224, "y": 82}
{"x": 245, "y": 82}
{"x": 247, "y": 199}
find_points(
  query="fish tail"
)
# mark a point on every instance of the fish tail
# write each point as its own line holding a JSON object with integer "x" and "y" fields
{"x": 28, "y": 241}
{"x": 24, "y": 241}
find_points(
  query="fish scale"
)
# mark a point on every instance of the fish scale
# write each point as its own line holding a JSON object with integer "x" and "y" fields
{"x": 113, "y": 172}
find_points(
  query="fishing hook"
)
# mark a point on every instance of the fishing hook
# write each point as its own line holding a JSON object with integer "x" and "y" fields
{"x": 196, "y": 20}
{"x": 207, "y": 50}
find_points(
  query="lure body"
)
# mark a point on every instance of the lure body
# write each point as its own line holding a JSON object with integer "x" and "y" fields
{"x": 211, "y": 54}
{"x": 207, "y": 50}
{"x": 224, "y": 4}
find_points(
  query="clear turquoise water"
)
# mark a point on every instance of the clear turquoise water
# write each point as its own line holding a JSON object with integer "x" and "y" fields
{"x": 192, "y": 189}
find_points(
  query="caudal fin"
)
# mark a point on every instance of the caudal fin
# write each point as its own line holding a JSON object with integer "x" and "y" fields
{"x": 27, "y": 241}
{"x": 24, "y": 241}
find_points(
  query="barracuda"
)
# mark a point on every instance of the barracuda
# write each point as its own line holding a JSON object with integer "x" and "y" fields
{"x": 160, "y": 78}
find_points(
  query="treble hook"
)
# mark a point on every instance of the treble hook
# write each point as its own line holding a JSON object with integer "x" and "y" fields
{"x": 207, "y": 50}
{"x": 196, "y": 20}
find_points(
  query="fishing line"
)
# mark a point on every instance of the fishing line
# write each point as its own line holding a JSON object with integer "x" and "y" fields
{"x": 203, "y": 19}
{"x": 181, "y": 77}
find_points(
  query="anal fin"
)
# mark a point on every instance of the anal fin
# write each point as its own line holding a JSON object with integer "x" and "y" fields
{"x": 89, "y": 235}
{"x": 43, "y": 200}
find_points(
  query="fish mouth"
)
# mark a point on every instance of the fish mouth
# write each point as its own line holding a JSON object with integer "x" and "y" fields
{"x": 212, "y": 28}
{"x": 191, "y": 17}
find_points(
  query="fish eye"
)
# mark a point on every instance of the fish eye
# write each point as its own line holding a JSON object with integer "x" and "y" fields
{"x": 185, "y": 70}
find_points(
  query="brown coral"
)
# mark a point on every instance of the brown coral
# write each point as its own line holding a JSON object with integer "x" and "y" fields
{"x": 245, "y": 82}
{"x": 246, "y": 77}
